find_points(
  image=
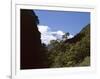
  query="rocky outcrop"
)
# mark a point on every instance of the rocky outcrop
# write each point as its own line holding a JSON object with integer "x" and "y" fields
{"x": 30, "y": 42}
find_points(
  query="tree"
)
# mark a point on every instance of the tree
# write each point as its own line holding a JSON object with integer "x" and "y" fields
{"x": 65, "y": 36}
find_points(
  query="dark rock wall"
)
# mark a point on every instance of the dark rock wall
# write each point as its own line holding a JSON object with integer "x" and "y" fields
{"x": 30, "y": 40}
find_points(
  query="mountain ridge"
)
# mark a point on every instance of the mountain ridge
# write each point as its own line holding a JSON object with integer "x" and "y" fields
{"x": 72, "y": 52}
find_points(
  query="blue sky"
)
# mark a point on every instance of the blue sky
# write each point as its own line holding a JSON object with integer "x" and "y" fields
{"x": 54, "y": 24}
{"x": 71, "y": 22}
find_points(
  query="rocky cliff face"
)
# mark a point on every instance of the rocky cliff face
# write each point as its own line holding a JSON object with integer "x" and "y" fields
{"x": 30, "y": 40}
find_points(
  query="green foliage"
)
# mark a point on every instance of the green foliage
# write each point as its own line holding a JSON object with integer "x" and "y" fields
{"x": 85, "y": 62}
{"x": 66, "y": 54}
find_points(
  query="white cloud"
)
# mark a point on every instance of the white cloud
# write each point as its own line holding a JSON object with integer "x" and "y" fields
{"x": 47, "y": 34}
{"x": 70, "y": 36}
{"x": 43, "y": 29}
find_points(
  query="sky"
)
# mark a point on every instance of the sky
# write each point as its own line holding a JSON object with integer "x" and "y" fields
{"x": 54, "y": 24}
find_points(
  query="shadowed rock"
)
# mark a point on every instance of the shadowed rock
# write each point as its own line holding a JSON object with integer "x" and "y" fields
{"x": 30, "y": 40}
